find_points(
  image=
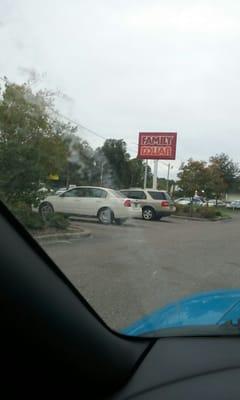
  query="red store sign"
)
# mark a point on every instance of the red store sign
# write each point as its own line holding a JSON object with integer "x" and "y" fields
{"x": 157, "y": 145}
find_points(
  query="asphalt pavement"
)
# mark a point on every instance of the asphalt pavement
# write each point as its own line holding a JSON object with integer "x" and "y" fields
{"x": 127, "y": 271}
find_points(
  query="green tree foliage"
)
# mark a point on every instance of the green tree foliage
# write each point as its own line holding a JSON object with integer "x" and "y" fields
{"x": 216, "y": 185}
{"x": 80, "y": 166}
{"x": 137, "y": 172}
{"x": 31, "y": 145}
{"x": 193, "y": 176}
{"x": 228, "y": 170}
{"x": 117, "y": 158}
{"x": 35, "y": 143}
{"x": 162, "y": 184}
{"x": 115, "y": 168}
{"x": 217, "y": 177}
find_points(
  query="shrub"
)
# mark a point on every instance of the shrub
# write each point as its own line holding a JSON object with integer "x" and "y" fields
{"x": 182, "y": 209}
{"x": 57, "y": 221}
{"x": 210, "y": 213}
{"x": 218, "y": 213}
{"x": 186, "y": 209}
{"x": 28, "y": 218}
{"x": 200, "y": 212}
{"x": 32, "y": 220}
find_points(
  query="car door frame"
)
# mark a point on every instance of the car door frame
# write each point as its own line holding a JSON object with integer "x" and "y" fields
{"x": 95, "y": 203}
{"x": 66, "y": 204}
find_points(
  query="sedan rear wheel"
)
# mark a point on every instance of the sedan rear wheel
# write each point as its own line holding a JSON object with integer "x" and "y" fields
{"x": 105, "y": 216}
{"x": 148, "y": 214}
{"x": 46, "y": 209}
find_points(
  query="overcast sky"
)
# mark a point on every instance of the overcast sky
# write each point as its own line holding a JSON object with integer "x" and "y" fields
{"x": 130, "y": 66}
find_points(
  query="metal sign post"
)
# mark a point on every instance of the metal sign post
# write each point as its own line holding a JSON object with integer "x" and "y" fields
{"x": 155, "y": 171}
{"x": 145, "y": 174}
{"x": 168, "y": 175}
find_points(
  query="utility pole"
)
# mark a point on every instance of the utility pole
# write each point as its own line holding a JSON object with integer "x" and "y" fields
{"x": 101, "y": 176}
{"x": 145, "y": 174}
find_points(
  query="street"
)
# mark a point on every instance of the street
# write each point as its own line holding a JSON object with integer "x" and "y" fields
{"x": 126, "y": 272}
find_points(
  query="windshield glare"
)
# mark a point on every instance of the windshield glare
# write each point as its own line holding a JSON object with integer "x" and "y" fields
{"x": 140, "y": 101}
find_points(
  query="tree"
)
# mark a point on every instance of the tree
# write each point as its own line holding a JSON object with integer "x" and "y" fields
{"x": 79, "y": 168}
{"x": 228, "y": 171}
{"x": 216, "y": 184}
{"x": 31, "y": 142}
{"x": 101, "y": 175}
{"x": 162, "y": 184}
{"x": 215, "y": 178}
{"x": 117, "y": 158}
{"x": 137, "y": 173}
{"x": 193, "y": 177}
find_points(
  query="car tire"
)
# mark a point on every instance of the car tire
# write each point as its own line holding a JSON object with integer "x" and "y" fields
{"x": 148, "y": 213}
{"x": 105, "y": 216}
{"x": 120, "y": 221}
{"x": 46, "y": 209}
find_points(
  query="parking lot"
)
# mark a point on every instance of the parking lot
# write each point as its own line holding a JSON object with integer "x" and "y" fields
{"x": 128, "y": 271}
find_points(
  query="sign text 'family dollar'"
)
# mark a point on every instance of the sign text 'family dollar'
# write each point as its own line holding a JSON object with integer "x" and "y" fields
{"x": 157, "y": 145}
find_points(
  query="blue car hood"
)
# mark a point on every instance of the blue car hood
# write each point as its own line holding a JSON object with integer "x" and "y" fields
{"x": 209, "y": 308}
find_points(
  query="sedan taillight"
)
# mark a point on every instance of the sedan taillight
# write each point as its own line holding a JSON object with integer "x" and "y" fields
{"x": 127, "y": 203}
{"x": 165, "y": 203}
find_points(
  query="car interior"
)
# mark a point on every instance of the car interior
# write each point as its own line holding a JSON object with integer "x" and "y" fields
{"x": 54, "y": 343}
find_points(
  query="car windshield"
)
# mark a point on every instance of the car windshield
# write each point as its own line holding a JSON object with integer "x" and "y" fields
{"x": 119, "y": 153}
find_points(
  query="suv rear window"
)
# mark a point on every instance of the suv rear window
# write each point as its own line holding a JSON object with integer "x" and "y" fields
{"x": 135, "y": 194}
{"x": 158, "y": 195}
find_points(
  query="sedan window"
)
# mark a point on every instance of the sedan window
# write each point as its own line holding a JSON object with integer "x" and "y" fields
{"x": 97, "y": 193}
{"x": 71, "y": 193}
{"x": 82, "y": 192}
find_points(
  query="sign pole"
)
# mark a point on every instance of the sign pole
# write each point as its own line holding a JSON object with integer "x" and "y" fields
{"x": 155, "y": 171}
{"x": 145, "y": 174}
{"x": 168, "y": 175}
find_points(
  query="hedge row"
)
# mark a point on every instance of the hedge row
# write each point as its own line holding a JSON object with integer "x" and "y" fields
{"x": 201, "y": 212}
{"x": 32, "y": 220}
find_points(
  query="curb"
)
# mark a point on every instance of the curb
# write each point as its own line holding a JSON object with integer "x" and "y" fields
{"x": 62, "y": 236}
{"x": 201, "y": 219}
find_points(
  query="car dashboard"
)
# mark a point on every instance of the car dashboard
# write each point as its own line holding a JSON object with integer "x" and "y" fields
{"x": 187, "y": 368}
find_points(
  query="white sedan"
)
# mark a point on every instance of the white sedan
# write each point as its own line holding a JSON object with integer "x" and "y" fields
{"x": 105, "y": 204}
{"x": 215, "y": 203}
{"x": 234, "y": 204}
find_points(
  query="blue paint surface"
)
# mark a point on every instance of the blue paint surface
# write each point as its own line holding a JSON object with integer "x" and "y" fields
{"x": 209, "y": 308}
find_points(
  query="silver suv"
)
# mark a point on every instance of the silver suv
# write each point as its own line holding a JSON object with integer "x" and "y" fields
{"x": 155, "y": 203}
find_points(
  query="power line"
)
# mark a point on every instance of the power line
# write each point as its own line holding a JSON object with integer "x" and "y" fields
{"x": 75, "y": 122}
{"x": 80, "y": 125}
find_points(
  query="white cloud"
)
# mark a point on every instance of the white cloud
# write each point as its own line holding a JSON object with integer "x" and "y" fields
{"x": 206, "y": 18}
{"x": 134, "y": 65}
